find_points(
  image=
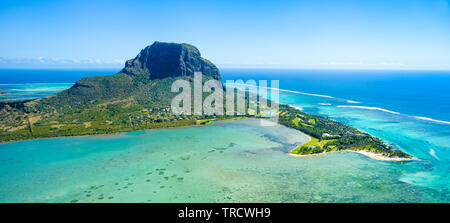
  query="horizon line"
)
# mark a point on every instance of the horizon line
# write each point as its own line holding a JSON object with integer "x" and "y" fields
{"x": 237, "y": 67}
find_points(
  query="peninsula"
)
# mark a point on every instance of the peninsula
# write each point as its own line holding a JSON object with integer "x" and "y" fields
{"x": 139, "y": 97}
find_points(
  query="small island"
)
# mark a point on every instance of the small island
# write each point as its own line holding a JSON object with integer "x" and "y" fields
{"x": 138, "y": 97}
{"x": 2, "y": 92}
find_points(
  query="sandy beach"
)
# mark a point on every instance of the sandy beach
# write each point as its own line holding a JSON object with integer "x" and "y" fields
{"x": 372, "y": 155}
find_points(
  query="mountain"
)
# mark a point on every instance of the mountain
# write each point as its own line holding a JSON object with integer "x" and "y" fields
{"x": 105, "y": 104}
{"x": 139, "y": 96}
{"x": 144, "y": 79}
{"x": 161, "y": 60}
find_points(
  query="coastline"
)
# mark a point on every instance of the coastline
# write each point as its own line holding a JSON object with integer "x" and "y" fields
{"x": 124, "y": 132}
{"x": 372, "y": 155}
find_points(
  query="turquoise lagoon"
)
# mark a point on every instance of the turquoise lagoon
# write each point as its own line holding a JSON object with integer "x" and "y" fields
{"x": 241, "y": 161}
{"x": 409, "y": 109}
{"x": 31, "y": 90}
{"x": 425, "y": 139}
{"x": 230, "y": 161}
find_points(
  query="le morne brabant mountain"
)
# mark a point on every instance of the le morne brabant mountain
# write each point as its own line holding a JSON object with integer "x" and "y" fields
{"x": 139, "y": 97}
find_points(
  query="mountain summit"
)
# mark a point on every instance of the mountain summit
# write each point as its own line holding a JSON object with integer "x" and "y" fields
{"x": 161, "y": 60}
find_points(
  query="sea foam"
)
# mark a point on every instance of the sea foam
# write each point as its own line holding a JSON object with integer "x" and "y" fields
{"x": 304, "y": 93}
{"x": 354, "y": 106}
{"x": 433, "y": 154}
{"x": 284, "y": 90}
{"x": 37, "y": 89}
{"x": 368, "y": 108}
{"x": 34, "y": 84}
{"x": 431, "y": 120}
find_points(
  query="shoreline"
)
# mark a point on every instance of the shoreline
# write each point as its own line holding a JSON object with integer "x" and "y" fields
{"x": 372, "y": 155}
{"x": 123, "y": 132}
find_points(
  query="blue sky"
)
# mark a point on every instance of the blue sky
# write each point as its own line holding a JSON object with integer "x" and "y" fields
{"x": 321, "y": 34}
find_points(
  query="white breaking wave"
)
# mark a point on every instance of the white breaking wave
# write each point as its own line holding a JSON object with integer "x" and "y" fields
{"x": 35, "y": 83}
{"x": 369, "y": 108}
{"x": 362, "y": 107}
{"x": 296, "y": 92}
{"x": 433, "y": 154}
{"x": 353, "y": 106}
{"x": 37, "y": 89}
{"x": 393, "y": 112}
{"x": 431, "y": 120}
{"x": 299, "y": 92}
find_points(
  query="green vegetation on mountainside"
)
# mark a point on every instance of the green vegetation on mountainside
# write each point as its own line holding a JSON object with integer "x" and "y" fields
{"x": 139, "y": 97}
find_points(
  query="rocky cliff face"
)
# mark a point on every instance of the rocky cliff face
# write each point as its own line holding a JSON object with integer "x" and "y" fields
{"x": 161, "y": 60}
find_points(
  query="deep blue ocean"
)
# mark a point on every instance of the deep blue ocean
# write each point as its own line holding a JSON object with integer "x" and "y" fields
{"x": 28, "y": 84}
{"x": 409, "y": 109}
{"x": 418, "y": 93}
